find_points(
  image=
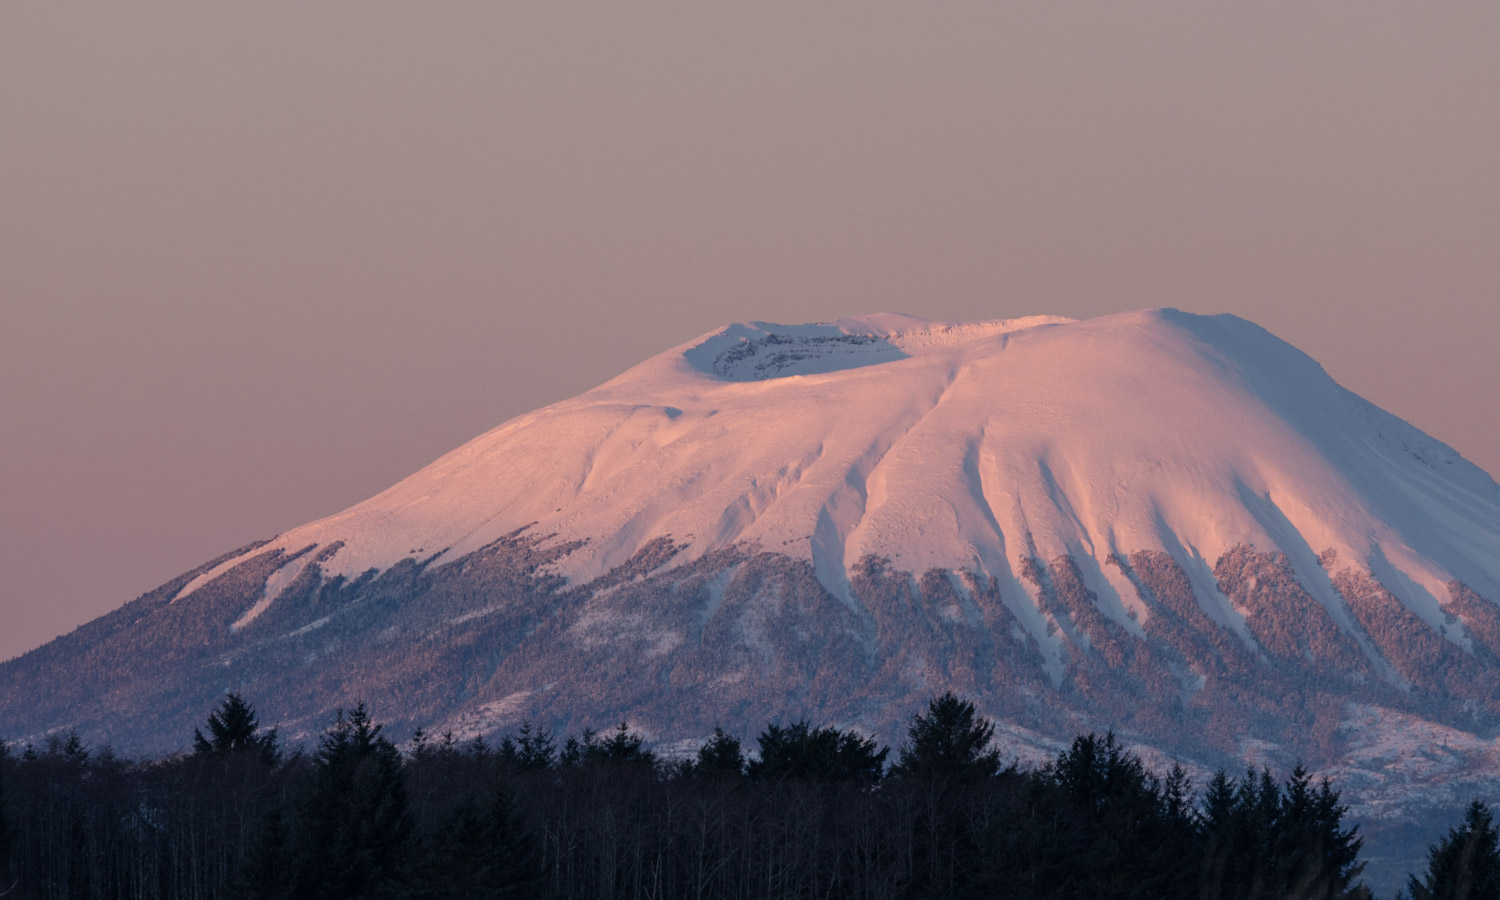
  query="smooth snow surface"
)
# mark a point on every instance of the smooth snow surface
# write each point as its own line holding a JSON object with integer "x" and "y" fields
{"x": 963, "y": 447}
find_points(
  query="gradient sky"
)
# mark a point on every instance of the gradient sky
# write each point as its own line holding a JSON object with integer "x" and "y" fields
{"x": 261, "y": 260}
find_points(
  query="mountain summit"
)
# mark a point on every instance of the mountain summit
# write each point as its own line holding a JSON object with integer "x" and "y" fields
{"x": 960, "y": 447}
{"x": 1177, "y": 526}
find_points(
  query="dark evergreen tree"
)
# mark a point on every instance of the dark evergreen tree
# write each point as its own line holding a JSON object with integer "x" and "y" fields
{"x": 69, "y": 747}
{"x": 950, "y": 742}
{"x": 1031, "y": 849}
{"x": 817, "y": 754}
{"x": 1177, "y": 797}
{"x": 1263, "y": 840}
{"x": 233, "y": 729}
{"x": 945, "y": 759}
{"x": 622, "y": 747}
{"x": 265, "y": 873}
{"x": 1465, "y": 863}
{"x": 478, "y": 852}
{"x": 1316, "y": 857}
{"x": 722, "y": 755}
{"x": 354, "y": 831}
{"x": 1260, "y": 800}
{"x": 1132, "y": 842}
{"x": 5, "y": 838}
{"x": 531, "y": 749}
{"x": 1094, "y": 771}
{"x": 423, "y": 746}
{"x": 1237, "y": 818}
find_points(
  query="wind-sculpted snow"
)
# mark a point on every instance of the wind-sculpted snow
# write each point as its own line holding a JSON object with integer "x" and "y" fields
{"x": 1175, "y": 526}
{"x": 952, "y": 446}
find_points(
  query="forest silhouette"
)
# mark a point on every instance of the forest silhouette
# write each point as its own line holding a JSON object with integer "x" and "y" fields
{"x": 811, "y": 812}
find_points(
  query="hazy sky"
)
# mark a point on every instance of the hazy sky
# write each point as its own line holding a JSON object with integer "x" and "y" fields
{"x": 260, "y": 260}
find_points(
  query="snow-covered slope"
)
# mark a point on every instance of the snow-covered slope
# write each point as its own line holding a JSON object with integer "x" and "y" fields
{"x": 962, "y": 447}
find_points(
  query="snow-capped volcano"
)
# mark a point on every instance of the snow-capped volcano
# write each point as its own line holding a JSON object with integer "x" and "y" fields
{"x": 960, "y": 447}
{"x": 1171, "y": 525}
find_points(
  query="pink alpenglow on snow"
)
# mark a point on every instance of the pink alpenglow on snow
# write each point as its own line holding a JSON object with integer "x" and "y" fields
{"x": 959, "y": 446}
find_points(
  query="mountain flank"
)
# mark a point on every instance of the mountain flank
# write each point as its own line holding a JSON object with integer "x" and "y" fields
{"x": 1178, "y": 527}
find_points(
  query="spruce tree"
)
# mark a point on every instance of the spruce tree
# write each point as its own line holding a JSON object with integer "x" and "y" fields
{"x": 1224, "y": 830}
{"x": 1265, "y": 840}
{"x": 1464, "y": 864}
{"x": 950, "y": 742}
{"x": 70, "y": 748}
{"x": 233, "y": 729}
{"x": 1133, "y": 837}
{"x": 1239, "y": 822}
{"x": 942, "y": 767}
{"x": 722, "y": 755}
{"x": 817, "y": 754}
{"x": 622, "y": 747}
{"x": 265, "y": 874}
{"x": 1317, "y": 856}
{"x": 1094, "y": 771}
{"x": 355, "y": 829}
{"x": 1035, "y": 848}
{"x": 4, "y": 823}
{"x": 480, "y": 851}
{"x": 531, "y": 749}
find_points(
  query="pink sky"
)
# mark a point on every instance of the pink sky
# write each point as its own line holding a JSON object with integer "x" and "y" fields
{"x": 259, "y": 261}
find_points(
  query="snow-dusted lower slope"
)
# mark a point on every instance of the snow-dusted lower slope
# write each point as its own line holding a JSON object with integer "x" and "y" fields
{"x": 963, "y": 447}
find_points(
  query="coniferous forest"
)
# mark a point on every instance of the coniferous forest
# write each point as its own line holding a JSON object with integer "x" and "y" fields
{"x": 803, "y": 812}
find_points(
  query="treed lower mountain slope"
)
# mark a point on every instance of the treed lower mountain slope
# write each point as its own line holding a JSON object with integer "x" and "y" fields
{"x": 1177, "y": 526}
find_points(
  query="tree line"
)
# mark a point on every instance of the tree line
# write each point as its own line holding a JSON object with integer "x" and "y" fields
{"x": 810, "y": 812}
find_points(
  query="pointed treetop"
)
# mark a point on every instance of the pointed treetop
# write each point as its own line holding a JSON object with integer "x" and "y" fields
{"x": 232, "y": 729}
